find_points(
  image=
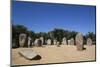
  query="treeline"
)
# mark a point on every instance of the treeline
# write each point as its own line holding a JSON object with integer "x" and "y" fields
{"x": 57, "y": 34}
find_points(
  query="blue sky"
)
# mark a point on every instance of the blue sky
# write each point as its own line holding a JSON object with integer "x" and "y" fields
{"x": 44, "y": 17}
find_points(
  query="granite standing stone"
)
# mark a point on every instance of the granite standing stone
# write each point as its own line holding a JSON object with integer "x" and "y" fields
{"x": 49, "y": 42}
{"x": 32, "y": 43}
{"x": 55, "y": 42}
{"x": 58, "y": 44}
{"x": 29, "y": 41}
{"x": 39, "y": 43}
{"x": 22, "y": 39}
{"x": 79, "y": 41}
{"x": 36, "y": 42}
{"x": 42, "y": 39}
{"x": 69, "y": 42}
{"x": 89, "y": 41}
{"x": 64, "y": 42}
{"x": 72, "y": 41}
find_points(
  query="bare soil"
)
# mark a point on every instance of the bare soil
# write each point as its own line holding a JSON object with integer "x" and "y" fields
{"x": 54, "y": 54}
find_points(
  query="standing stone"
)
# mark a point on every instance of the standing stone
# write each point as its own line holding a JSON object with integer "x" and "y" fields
{"x": 32, "y": 43}
{"x": 79, "y": 41}
{"x": 29, "y": 41}
{"x": 36, "y": 42}
{"x": 72, "y": 41}
{"x": 64, "y": 42}
{"x": 22, "y": 39}
{"x": 89, "y": 41}
{"x": 42, "y": 39}
{"x": 55, "y": 42}
{"x": 39, "y": 43}
{"x": 58, "y": 44}
{"x": 49, "y": 42}
{"x": 69, "y": 42}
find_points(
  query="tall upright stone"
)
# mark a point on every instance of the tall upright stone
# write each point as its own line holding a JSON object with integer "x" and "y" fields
{"x": 42, "y": 39}
{"x": 69, "y": 42}
{"x": 32, "y": 43}
{"x": 72, "y": 41}
{"x": 55, "y": 42}
{"x": 49, "y": 42}
{"x": 58, "y": 44}
{"x": 89, "y": 41}
{"x": 64, "y": 42}
{"x": 29, "y": 41}
{"x": 39, "y": 43}
{"x": 79, "y": 41}
{"x": 36, "y": 42}
{"x": 22, "y": 39}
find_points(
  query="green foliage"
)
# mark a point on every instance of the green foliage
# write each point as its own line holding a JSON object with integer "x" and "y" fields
{"x": 16, "y": 30}
{"x": 57, "y": 34}
{"x": 31, "y": 34}
{"x": 92, "y": 36}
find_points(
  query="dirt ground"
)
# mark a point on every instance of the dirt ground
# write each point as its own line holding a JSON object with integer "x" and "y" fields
{"x": 54, "y": 54}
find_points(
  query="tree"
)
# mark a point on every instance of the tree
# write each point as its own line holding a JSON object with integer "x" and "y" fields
{"x": 57, "y": 34}
{"x": 31, "y": 34}
{"x": 16, "y": 30}
{"x": 92, "y": 36}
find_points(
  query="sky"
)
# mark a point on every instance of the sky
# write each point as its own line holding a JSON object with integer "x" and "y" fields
{"x": 44, "y": 17}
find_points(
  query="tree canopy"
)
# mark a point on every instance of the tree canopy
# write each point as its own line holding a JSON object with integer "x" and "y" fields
{"x": 56, "y": 33}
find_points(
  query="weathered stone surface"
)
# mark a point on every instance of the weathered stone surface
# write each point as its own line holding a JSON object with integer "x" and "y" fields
{"x": 64, "y": 42}
{"x": 29, "y": 54}
{"x": 22, "y": 39}
{"x": 79, "y": 41}
{"x": 55, "y": 42}
{"x": 42, "y": 39}
{"x": 29, "y": 41}
{"x": 69, "y": 42}
{"x": 89, "y": 41}
{"x": 32, "y": 43}
{"x": 72, "y": 41}
{"x": 58, "y": 44}
{"x": 49, "y": 42}
{"x": 38, "y": 42}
